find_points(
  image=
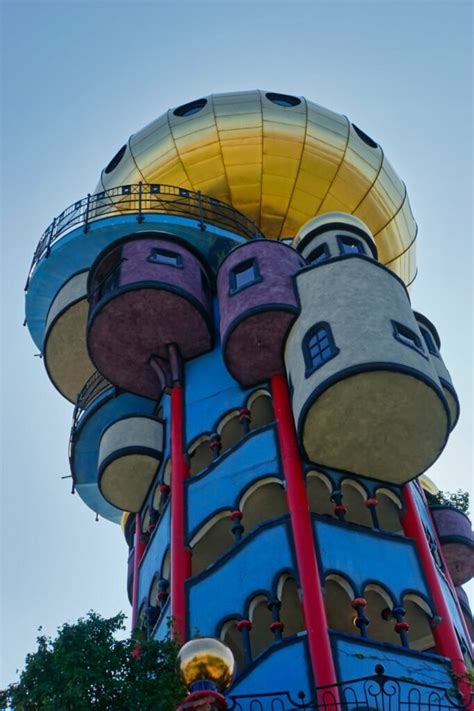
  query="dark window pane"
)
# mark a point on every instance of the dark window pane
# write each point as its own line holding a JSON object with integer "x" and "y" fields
{"x": 318, "y": 255}
{"x": 406, "y": 336}
{"x": 350, "y": 245}
{"x": 430, "y": 344}
{"x": 318, "y": 347}
{"x": 243, "y": 275}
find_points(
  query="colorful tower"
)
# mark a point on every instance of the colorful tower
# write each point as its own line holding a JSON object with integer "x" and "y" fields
{"x": 257, "y": 402}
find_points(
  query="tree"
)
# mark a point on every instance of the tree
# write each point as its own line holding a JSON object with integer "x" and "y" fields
{"x": 86, "y": 667}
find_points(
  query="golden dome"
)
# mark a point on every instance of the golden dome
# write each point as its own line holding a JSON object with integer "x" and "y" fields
{"x": 281, "y": 160}
{"x": 206, "y": 659}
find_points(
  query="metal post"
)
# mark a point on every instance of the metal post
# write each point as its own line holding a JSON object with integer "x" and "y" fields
{"x": 86, "y": 214}
{"x": 140, "y": 213}
{"x": 201, "y": 213}
{"x": 50, "y": 237}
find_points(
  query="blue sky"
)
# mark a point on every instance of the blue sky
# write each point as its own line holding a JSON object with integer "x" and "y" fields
{"x": 77, "y": 79}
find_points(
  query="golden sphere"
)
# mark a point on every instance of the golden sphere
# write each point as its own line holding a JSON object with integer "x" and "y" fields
{"x": 207, "y": 659}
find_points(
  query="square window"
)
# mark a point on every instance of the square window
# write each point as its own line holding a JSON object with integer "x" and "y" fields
{"x": 244, "y": 274}
{"x": 350, "y": 245}
{"x": 154, "y": 188}
{"x": 165, "y": 256}
{"x": 318, "y": 255}
{"x": 126, "y": 189}
{"x": 430, "y": 344}
{"x": 408, "y": 337}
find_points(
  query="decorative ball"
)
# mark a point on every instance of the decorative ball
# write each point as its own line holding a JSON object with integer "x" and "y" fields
{"x": 206, "y": 659}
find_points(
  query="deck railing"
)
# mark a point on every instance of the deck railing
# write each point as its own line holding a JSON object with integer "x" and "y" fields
{"x": 140, "y": 199}
{"x": 378, "y": 692}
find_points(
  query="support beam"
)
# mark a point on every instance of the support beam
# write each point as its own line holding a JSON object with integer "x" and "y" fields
{"x": 180, "y": 555}
{"x": 138, "y": 550}
{"x": 444, "y": 633}
{"x": 314, "y": 610}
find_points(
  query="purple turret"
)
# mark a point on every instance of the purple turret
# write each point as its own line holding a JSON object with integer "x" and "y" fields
{"x": 257, "y": 304}
{"x": 146, "y": 294}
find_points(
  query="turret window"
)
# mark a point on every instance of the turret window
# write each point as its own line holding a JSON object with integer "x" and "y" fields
{"x": 165, "y": 256}
{"x": 318, "y": 255}
{"x": 430, "y": 344}
{"x": 350, "y": 245}
{"x": 318, "y": 347}
{"x": 244, "y": 274}
{"x": 408, "y": 337}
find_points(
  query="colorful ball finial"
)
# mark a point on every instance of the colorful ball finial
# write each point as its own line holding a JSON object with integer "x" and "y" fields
{"x": 206, "y": 663}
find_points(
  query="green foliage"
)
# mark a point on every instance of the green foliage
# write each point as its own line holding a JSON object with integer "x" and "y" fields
{"x": 86, "y": 667}
{"x": 458, "y": 499}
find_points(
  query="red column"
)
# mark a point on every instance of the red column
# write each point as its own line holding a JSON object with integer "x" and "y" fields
{"x": 180, "y": 555}
{"x": 138, "y": 549}
{"x": 444, "y": 633}
{"x": 446, "y": 569}
{"x": 313, "y": 602}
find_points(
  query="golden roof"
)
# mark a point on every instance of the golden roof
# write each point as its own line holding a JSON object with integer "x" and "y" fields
{"x": 280, "y": 160}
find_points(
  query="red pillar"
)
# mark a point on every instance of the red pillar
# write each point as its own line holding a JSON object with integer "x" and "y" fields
{"x": 180, "y": 555}
{"x": 313, "y": 603}
{"x": 138, "y": 549}
{"x": 444, "y": 633}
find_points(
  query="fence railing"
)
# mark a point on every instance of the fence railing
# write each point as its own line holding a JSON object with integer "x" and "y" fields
{"x": 378, "y": 692}
{"x": 96, "y": 385}
{"x": 141, "y": 199}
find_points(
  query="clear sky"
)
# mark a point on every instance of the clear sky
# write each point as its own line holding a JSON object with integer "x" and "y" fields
{"x": 78, "y": 79}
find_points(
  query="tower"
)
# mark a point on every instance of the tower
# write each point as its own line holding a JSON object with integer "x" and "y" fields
{"x": 255, "y": 398}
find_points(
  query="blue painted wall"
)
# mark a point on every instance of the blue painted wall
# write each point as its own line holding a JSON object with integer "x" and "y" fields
{"x": 250, "y": 567}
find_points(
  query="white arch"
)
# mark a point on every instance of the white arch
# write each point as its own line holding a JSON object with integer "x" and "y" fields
{"x": 255, "y": 486}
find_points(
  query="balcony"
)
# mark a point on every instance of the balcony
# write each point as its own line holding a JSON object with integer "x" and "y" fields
{"x": 139, "y": 200}
{"x": 76, "y": 237}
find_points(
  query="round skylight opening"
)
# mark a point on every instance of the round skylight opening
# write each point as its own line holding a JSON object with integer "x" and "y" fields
{"x": 364, "y": 137}
{"x": 116, "y": 159}
{"x": 283, "y": 99}
{"x": 189, "y": 109}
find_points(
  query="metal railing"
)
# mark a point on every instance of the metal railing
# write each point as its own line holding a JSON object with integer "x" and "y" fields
{"x": 378, "y": 692}
{"x": 141, "y": 199}
{"x": 94, "y": 387}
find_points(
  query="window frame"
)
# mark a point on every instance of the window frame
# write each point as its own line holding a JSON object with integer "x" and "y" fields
{"x": 429, "y": 341}
{"x": 310, "y": 366}
{"x": 165, "y": 252}
{"x": 252, "y": 263}
{"x": 410, "y": 338}
{"x": 343, "y": 240}
{"x": 324, "y": 249}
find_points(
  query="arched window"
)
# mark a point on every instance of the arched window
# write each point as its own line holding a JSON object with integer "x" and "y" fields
{"x": 264, "y": 500}
{"x": 354, "y": 498}
{"x": 261, "y": 409}
{"x": 200, "y": 455}
{"x": 318, "y": 347}
{"x": 211, "y": 541}
{"x": 338, "y": 596}
{"x": 291, "y": 613}
{"x": 260, "y": 616}
{"x": 419, "y": 616}
{"x": 230, "y": 429}
{"x": 319, "y": 494}
{"x": 231, "y": 637}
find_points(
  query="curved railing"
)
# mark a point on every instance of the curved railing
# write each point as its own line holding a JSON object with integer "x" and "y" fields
{"x": 379, "y": 691}
{"x": 141, "y": 199}
{"x": 94, "y": 387}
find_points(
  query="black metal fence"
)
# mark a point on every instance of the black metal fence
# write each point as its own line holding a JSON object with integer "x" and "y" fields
{"x": 140, "y": 199}
{"x": 373, "y": 693}
{"x": 92, "y": 389}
